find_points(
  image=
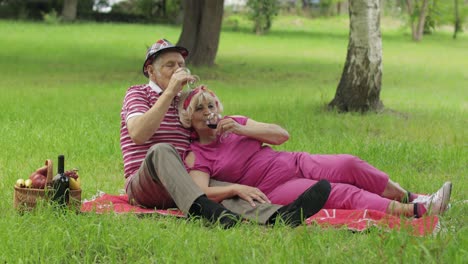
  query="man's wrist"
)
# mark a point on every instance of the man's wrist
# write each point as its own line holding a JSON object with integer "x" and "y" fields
{"x": 167, "y": 95}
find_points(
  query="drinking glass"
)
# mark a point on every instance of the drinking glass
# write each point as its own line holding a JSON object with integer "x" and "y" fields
{"x": 213, "y": 120}
{"x": 194, "y": 79}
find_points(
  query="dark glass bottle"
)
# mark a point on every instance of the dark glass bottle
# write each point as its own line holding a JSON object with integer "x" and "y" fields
{"x": 61, "y": 184}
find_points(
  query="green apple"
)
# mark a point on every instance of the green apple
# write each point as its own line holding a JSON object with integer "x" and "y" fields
{"x": 20, "y": 183}
{"x": 28, "y": 183}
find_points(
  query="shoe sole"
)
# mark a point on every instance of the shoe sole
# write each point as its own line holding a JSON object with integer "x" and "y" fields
{"x": 446, "y": 193}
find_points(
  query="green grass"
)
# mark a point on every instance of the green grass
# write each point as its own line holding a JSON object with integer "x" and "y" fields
{"x": 61, "y": 91}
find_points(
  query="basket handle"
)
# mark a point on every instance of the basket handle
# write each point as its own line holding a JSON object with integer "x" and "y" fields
{"x": 50, "y": 172}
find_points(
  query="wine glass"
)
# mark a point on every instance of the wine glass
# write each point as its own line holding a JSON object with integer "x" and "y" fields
{"x": 213, "y": 120}
{"x": 194, "y": 79}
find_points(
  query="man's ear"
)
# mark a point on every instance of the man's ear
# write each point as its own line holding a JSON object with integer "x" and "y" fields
{"x": 150, "y": 69}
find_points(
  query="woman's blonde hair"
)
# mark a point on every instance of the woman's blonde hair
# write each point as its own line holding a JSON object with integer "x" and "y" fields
{"x": 189, "y": 101}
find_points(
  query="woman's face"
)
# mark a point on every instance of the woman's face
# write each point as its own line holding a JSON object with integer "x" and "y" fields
{"x": 201, "y": 112}
{"x": 160, "y": 72}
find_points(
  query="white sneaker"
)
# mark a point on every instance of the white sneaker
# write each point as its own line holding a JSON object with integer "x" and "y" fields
{"x": 437, "y": 203}
{"x": 421, "y": 199}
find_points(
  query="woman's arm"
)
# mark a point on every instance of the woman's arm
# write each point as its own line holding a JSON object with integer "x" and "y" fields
{"x": 217, "y": 194}
{"x": 264, "y": 132}
{"x": 220, "y": 193}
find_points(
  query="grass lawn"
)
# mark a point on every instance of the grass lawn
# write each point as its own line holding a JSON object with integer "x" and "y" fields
{"x": 61, "y": 91}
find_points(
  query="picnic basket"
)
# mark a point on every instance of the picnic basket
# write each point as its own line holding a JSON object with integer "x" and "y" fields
{"x": 26, "y": 199}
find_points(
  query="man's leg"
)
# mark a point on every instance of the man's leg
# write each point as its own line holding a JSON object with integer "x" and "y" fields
{"x": 164, "y": 165}
{"x": 166, "y": 177}
{"x": 161, "y": 181}
{"x": 308, "y": 203}
{"x": 260, "y": 213}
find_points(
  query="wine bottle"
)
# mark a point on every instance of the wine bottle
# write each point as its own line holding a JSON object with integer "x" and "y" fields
{"x": 61, "y": 184}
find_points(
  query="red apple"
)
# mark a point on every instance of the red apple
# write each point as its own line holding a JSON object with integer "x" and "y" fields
{"x": 42, "y": 170}
{"x": 38, "y": 180}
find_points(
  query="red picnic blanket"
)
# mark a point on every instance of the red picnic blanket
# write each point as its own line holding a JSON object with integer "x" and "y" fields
{"x": 355, "y": 220}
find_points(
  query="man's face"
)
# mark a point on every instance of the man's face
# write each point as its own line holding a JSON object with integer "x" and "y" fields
{"x": 161, "y": 70}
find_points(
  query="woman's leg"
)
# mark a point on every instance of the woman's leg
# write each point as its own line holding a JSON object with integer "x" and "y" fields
{"x": 342, "y": 196}
{"x": 344, "y": 168}
{"x": 347, "y": 196}
{"x": 287, "y": 192}
{"x": 394, "y": 191}
{"x": 401, "y": 209}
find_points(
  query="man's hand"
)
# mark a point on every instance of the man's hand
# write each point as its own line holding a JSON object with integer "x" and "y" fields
{"x": 178, "y": 79}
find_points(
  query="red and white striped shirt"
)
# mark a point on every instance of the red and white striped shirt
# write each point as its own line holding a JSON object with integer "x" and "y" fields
{"x": 137, "y": 101}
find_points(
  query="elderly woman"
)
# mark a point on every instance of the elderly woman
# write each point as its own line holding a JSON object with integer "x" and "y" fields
{"x": 152, "y": 140}
{"x": 236, "y": 152}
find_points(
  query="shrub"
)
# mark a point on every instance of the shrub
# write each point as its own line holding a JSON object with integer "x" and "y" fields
{"x": 261, "y": 12}
{"x": 51, "y": 17}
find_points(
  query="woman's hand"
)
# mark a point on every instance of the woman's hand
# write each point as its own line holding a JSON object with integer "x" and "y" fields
{"x": 264, "y": 132}
{"x": 228, "y": 125}
{"x": 250, "y": 194}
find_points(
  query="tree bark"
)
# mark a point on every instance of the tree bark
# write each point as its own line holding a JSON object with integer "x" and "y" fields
{"x": 201, "y": 30}
{"x": 361, "y": 80}
{"x": 457, "y": 22}
{"x": 69, "y": 10}
{"x": 417, "y": 29}
{"x": 421, "y": 21}
{"x": 410, "y": 7}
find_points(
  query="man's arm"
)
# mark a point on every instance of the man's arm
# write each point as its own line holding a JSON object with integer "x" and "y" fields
{"x": 142, "y": 127}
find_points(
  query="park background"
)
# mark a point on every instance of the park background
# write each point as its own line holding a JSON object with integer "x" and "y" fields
{"x": 62, "y": 86}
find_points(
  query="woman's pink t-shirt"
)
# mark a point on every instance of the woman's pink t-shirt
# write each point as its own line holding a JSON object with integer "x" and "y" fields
{"x": 243, "y": 160}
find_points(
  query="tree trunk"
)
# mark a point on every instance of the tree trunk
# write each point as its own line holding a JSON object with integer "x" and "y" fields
{"x": 457, "y": 22}
{"x": 361, "y": 80}
{"x": 163, "y": 8}
{"x": 69, "y": 10}
{"x": 417, "y": 29}
{"x": 421, "y": 21}
{"x": 410, "y": 7}
{"x": 201, "y": 30}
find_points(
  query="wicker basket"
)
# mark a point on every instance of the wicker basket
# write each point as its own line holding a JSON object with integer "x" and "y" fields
{"x": 25, "y": 199}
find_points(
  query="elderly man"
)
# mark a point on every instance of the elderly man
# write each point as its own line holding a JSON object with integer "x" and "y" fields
{"x": 153, "y": 140}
